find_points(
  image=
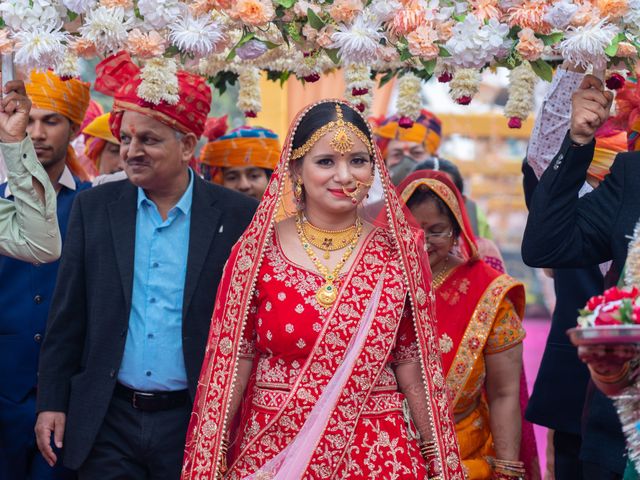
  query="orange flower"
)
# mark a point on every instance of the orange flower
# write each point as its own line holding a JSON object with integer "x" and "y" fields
{"x": 408, "y": 18}
{"x": 145, "y": 45}
{"x": 586, "y": 13}
{"x": 626, "y": 50}
{"x": 83, "y": 48}
{"x": 529, "y": 47}
{"x": 345, "y": 10}
{"x": 445, "y": 30}
{"x": 324, "y": 36}
{"x": 253, "y": 12}
{"x": 126, "y": 4}
{"x": 421, "y": 42}
{"x": 486, "y": 9}
{"x": 612, "y": 8}
{"x": 530, "y": 15}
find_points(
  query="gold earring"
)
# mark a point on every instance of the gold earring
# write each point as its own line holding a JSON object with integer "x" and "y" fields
{"x": 297, "y": 190}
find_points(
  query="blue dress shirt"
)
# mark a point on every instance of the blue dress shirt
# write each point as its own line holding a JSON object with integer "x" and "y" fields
{"x": 153, "y": 359}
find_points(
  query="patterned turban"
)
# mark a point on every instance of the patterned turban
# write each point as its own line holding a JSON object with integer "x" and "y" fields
{"x": 69, "y": 98}
{"x": 426, "y": 130}
{"x": 241, "y": 147}
{"x": 118, "y": 77}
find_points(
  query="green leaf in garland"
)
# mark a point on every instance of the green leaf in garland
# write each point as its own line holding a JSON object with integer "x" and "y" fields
{"x": 429, "y": 66}
{"x": 386, "y": 78}
{"x": 612, "y": 49}
{"x": 245, "y": 38}
{"x": 443, "y": 52}
{"x": 269, "y": 45}
{"x": 2, "y": 24}
{"x": 294, "y": 33}
{"x": 405, "y": 54}
{"x": 332, "y": 53}
{"x": 171, "y": 51}
{"x": 543, "y": 70}
{"x": 552, "y": 38}
{"x": 314, "y": 20}
{"x": 286, "y": 3}
{"x": 71, "y": 15}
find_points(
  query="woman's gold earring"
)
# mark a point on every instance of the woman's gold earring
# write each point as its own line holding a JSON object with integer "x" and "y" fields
{"x": 297, "y": 191}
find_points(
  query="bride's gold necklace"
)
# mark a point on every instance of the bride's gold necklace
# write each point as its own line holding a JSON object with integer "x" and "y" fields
{"x": 327, "y": 293}
{"x": 439, "y": 278}
{"x": 328, "y": 240}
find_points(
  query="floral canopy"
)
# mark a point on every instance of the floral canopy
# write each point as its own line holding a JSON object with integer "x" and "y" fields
{"x": 371, "y": 40}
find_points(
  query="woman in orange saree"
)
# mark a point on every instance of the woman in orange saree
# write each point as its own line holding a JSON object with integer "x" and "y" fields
{"x": 479, "y": 313}
{"x": 322, "y": 334}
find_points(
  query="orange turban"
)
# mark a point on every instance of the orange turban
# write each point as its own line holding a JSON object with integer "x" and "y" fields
{"x": 426, "y": 130}
{"x": 69, "y": 98}
{"x": 242, "y": 147}
{"x": 66, "y": 97}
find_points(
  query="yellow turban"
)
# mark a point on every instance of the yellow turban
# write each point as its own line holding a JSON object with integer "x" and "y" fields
{"x": 99, "y": 128}
{"x": 66, "y": 97}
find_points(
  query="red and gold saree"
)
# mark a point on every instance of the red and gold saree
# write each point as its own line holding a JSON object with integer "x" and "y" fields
{"x": 323, "y": 401}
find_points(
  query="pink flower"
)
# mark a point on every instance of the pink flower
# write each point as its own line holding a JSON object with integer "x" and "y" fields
{"x": 636, "y": 315}
{"x": 515, "y": 122}
{"x": 626, "y": 50}
{"x": 345, "y": 10}
{"x": 463, "y": 100}
{"x": 615, "y": 293}
{"x": 445, "y": 77}
{"x": 405, "y": 122}
{"x": 529, "y": 47}
{"x": 324, "y": 36}
{"x": 607, "y": 319}
{"x": 6, "y": 44}
{"x": 145, "y": 45}
{"x": 421, "y": 42}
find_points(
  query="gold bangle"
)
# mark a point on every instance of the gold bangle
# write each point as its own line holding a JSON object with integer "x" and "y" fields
{"x": 612, "y": 378}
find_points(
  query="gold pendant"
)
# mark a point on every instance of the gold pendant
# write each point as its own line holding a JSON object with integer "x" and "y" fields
{"x": 327, "y": 294}
{"x": 326, "y": 255}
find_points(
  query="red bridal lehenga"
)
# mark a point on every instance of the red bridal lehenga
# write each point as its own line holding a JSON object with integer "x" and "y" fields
{"x": 323, "y": 400}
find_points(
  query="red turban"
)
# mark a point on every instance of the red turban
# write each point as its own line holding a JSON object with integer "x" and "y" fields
{"x": 119, "y": 77}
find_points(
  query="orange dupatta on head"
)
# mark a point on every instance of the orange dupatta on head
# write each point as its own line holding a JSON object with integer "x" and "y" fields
{"x": 203, "y": 449}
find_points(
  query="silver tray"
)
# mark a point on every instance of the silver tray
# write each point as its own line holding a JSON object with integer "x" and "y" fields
{"x": 598, "y": 335}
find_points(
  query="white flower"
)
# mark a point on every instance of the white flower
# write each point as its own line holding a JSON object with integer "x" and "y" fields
{"x": 79, "y": 6}
{"x": 358, "y": 42}
{"x": 197, "y": 36}
{"x": 409, "y": 99}
{"x": 359, "y": 86}
{"x": 584, "y": 46}
{"x": 252, "y": 50}
{"x": 159, "y": 81}
{"x": 160, "y": 13}
{"x": 69, "y": 66}
{"x": 107, "y": 28}
{"x": 464, "y": 85}
{"x": 39, "y": 48}
{"x": 20, "y": 15}
{"x": 384, "y": 10}
{"x": 632, "y": 17}
{"x": 475, "y": 44}
{"x": 560, "y": 13}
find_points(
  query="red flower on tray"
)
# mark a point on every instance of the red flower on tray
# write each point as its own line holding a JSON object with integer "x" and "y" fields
{"x": 617, "y": 306}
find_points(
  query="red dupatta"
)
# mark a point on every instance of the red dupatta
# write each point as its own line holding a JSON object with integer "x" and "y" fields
{"x": 410, "y": 276}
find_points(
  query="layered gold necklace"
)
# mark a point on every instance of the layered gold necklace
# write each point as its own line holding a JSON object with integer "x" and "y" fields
{"x": 440, "y": 277}
{"x": 328, "y": 293}
{"x": 328, "y": 240}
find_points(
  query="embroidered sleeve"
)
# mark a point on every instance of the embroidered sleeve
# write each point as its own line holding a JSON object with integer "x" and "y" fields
{"x": 507, "y": 329}
{"x": 406, "y": 349}
{"x": 248, "y": 341}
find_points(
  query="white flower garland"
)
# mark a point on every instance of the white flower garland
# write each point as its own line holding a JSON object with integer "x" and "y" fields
{"x": 159, "y": 81}
{"x": 464, "y": 85}
{"x": 69, "y": 67}
{"x": 522, "y": 82}
{"x": 249, "y": 99}
{"x": 408, "y": 103}
{"x": 359, "y": 86}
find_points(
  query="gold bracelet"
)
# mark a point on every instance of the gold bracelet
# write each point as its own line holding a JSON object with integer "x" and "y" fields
{"x": 612, "y": 378}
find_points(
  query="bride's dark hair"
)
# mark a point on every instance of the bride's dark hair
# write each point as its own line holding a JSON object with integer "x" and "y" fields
{"x": 323, "y": 113}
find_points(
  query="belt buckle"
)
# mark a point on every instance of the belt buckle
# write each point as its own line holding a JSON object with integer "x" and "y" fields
{"x": 136, "y": 395}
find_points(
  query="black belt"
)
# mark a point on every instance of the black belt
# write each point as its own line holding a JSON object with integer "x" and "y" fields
{"x": 152, "y": 401}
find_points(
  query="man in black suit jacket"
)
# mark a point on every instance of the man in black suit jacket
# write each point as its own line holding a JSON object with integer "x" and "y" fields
{"x": 131, "y": 311}
{"x": 564, "y": 231}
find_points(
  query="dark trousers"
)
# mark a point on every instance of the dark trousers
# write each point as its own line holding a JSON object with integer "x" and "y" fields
{"x": 566, "y": 452}
{"x": 19, "y": 455}
{"x": 136, "y": 445}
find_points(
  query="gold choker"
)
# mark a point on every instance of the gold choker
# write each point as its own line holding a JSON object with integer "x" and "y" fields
{"x": 328, "y": 240}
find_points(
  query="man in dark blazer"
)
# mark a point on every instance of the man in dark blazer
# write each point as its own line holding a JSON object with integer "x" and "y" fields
{"x": 564, "y": 231}
{"x": 132, "y": 307}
